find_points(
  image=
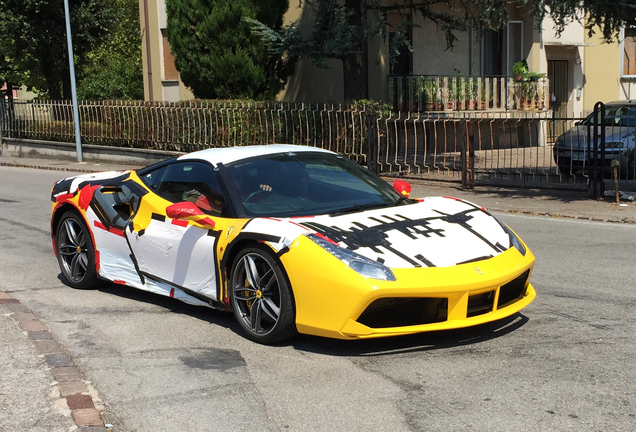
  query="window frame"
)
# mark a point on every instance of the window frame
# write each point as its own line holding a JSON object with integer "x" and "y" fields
{"x": 174, "y": 165}
{"x": 622, "y": 54}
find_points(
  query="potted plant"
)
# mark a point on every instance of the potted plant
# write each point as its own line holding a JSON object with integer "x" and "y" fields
{"x": 429, "y": 89}
{"x": 526, "y": 86}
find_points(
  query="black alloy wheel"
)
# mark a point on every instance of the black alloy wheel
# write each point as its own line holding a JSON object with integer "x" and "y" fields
{"x": 261, "y": 297}
{"x": 75, "y": 251}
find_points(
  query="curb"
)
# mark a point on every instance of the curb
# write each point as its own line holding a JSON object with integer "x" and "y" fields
{"x": 51, "y": 168}
{"x": 562, "y": 216}
{"x": 548, "y": 214}
{"x": 73, "y": 396}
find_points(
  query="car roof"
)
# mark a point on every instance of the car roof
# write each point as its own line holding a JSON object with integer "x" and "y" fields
{"x": 226, "y": 155}
{"x": 624, "y": 102}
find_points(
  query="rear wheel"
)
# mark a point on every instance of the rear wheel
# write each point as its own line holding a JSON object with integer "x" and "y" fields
{"x": 261, "y": 297}
{"x": 75, "y": 251}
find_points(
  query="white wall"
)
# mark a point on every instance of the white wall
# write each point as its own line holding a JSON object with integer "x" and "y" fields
{"x": 430, "y": 56}
{"x": 572, "y": 34}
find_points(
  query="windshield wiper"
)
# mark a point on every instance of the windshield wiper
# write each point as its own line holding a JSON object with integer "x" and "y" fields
{"x": 402, "y": 199}
{"x": 358, "y": 207}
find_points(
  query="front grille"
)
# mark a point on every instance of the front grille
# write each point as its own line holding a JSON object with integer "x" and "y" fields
{"x": 404, "y": 311}
{"x": 480, "y": 304}
{"x": 513, "y": 290}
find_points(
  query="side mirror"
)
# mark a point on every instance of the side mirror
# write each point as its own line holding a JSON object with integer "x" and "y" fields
{"x": 188, "y": 212}
{"x": 182, "y": 210}
{"x": 402, "y": 187}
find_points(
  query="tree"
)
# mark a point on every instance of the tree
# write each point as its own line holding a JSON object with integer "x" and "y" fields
{"x": 113, "y": 70}
{"x": 215, "y": 52}
{"x": 34, "y": 48}
{"x": 341, "y": 29}
{"x": 605, "y": 16}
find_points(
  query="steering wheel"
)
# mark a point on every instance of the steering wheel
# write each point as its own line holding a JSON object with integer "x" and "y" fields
{"x": 257, "y": 193}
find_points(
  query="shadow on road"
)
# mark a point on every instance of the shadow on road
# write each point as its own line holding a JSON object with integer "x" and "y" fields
{"x": 217, "y": 317}
{"x": 427, "y": 341}
{"x": 413, "y": 343}
{"x": 564, "y": 196}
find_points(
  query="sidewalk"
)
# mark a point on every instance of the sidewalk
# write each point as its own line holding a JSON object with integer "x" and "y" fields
{"x": 28, "y": 377}
{"x": 42, "y": 390}
{"x": 539, "y": 202}
{"x": 536, "y": 202}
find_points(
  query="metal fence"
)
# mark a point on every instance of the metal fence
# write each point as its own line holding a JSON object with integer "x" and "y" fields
{"x": 512, "y": 148}
{"x": 189, "y": 126}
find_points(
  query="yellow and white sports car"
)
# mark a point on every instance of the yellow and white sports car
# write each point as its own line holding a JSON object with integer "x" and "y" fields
{"x": 291, "y": 239}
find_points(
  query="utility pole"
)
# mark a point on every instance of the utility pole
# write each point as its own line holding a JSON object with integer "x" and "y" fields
{"x": 71, "y": 64}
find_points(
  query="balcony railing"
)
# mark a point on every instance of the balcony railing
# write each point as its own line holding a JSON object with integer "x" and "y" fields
{"x": 467, "y": 93}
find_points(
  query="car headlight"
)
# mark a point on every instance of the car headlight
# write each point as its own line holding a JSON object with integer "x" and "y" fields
{"x": 514, "y": 240}
{"x": 362, "y": 265}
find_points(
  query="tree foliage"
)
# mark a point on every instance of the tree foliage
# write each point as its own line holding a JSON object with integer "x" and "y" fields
{"x": 33, "y": 48}
{"x": 606, "y": 17}
{"x": 341, "y": 29}
{"x": 113, "y": 70}
{"x": 215, "y": 52}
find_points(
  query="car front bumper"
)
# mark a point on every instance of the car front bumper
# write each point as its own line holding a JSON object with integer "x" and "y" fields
{"x": 334, "y": 301}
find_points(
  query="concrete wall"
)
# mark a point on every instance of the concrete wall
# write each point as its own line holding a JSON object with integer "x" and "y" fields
{"x": 310, "y": 83}
{"x": 379, "y": 67}
{"x": 573, "y": 33}
{"x": 22, "y": 148}
{"x": 162, "y": 88}
{"x": 602, "y": 73}
{"x": 431, "y": 56}
{"x": 150, "y": 35}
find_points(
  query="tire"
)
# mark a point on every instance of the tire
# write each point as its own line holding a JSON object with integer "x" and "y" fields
{"x": 261, "y": 297}
{"x": 75, "y": 252}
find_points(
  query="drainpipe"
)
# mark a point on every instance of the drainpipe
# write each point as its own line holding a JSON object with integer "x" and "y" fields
{"x": 471, "y": 44}
{"x": 148, "y": 55}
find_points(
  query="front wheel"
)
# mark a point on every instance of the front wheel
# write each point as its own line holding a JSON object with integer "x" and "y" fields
{"x": 261, "y": 297}
{"x": 75, "y": 251}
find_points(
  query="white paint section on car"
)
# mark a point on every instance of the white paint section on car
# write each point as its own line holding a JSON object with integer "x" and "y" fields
{"x": 91, "y": 177}
{"x": 228, "y": 155}
{"x": 181, "y": 255}
{"x": 438, "y": 232}
{"x": 114, "y": 255}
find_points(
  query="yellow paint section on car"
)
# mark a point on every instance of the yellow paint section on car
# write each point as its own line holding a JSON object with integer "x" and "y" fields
{"x": 330, "y": 296}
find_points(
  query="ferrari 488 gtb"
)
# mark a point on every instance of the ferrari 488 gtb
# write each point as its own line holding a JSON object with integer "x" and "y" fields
{"x": 291, "y": 239}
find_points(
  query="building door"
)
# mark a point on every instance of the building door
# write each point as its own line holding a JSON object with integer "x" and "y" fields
{"x": 558, "y": 75}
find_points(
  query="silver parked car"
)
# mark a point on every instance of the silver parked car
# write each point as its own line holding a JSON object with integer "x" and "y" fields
{"x": 571, "y": 151}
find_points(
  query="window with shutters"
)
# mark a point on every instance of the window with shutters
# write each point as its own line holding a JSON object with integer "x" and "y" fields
{"x": 628, "y": 46}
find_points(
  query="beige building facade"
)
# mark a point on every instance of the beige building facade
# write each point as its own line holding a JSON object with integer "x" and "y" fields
{"x": 582, "y": 69}
{"x": 161, "y": 78}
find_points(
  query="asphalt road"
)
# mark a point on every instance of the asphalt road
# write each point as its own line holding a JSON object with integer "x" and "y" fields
{"x": 566, "y": 363}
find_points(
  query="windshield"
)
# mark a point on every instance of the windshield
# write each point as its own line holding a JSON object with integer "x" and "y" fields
{"x": 616, "y": 115}
{"x": 307, "y": 183}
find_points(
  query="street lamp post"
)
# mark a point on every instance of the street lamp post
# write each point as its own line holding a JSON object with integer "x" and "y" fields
{"x": 71, "y": 64}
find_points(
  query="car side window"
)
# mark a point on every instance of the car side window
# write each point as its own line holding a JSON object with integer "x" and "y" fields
{"x": 191, "y": 181}
{"x": 153, "y": 178}
{"x": 625, "y": 116}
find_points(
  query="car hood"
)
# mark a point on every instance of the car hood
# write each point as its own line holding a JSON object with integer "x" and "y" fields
{"x": 437, "y": 232}
{"x": 576, "y": 138}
